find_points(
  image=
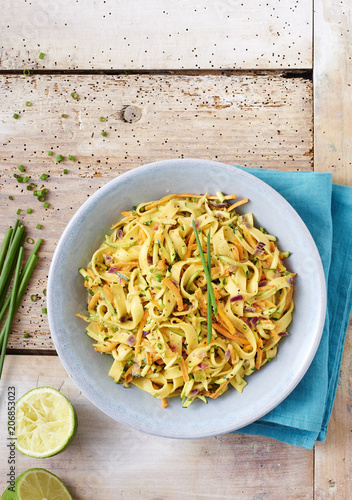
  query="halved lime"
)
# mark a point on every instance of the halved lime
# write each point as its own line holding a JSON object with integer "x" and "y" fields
{"x": 45, "y": 423}
{"x": 40, "y": 484}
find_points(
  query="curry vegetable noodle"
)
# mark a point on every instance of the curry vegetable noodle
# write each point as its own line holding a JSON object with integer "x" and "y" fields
{"x": 148, "y": 300}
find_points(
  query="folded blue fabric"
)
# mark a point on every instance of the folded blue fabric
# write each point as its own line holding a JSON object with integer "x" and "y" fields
{"x": 326, "y": 208}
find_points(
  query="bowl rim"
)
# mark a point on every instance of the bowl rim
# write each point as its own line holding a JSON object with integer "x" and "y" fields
{"x": 139, "y": 171}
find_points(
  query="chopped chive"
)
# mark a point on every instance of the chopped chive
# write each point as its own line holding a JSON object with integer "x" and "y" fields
{"x": 64, "y": 115}
{"x": 18, "y": 211}
{"x": 10, "y": 197}
{"x": 103, "y": 133}
{"x": 41, "y": 198}
{"x": 19, "y": 178}
{"x": 46, "y": 205}
{"x": 43, "y": 177}
{"x": 102, "y": 119}
{"x": 44, "y": 292}
{"x": 50, "y": 153}
{"x": 26, "y": 179}
{"x": 29, "y": 210}
{"x": 28, "y": 103}
{"x": 26, "y": 72}
{"x": 38, "y": 226}
{"x": 15, "y": 116}
{"x": 45, "y": 190}
{"x": 59, "y": 158}
{"x": 122, "y": 276}
{"x": 71, "y": 158}
{"x": 65, "y": 171}
{"x": 74, "y": 95}
{"x": 21, "y": 168}
{"x": 44, "y": 310}
{"x": 34, "y": 298}
{"x": 41, "y": 55}
{"x": 29, "y": 187}
{"x": 30, "y": 241}
{"x": 26, "y": 335}
{"x": 206, "y": 270}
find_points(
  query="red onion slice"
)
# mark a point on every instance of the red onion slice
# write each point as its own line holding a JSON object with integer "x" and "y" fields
{"x": 131, "y": 340}
{"x": 236, "y": 298}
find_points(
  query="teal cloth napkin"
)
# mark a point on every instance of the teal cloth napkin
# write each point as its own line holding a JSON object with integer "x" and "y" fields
{"x": 326, "y": 208}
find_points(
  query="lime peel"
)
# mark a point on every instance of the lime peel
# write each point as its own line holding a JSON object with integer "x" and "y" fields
{"x": 45, "y": 423}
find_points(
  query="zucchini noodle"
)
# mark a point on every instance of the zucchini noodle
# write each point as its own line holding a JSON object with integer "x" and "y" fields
{"x": 147, "y": 297}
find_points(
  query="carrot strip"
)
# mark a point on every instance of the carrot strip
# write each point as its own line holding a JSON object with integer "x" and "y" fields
{"x": 93, "y": 300}
{"x": 173, "y": 288}
{"x": 184, "y": 370}
{"x": 108, "y": 293}
{"x": 225, "y": 319}
{"x": 164, "y": 403}
{"x": 81, "y": 316}
{"x": 236, "y": 254}
{"x": 149, "y": 358}
{"x": 288, "y": 298}
{"x": 275, "y": 334}
{"x": 258, "y": 361}
{"x": 162, "y": 264}
{"x": 228, "y": 335}
{"x": 140, "y": 331}
{"x": 90, "y": 273}
{"x": 127, "y": 214}
{"x": 201, "y": 302}
{"x": 240, "y": 250}
{"x": 237, "y": 204}
{"x": 107, "y": 348}
{"x": 219, "y": 391}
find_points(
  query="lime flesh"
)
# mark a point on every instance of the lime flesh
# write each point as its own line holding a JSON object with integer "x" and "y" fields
{"x": 45, "y": 423}
{"x": 40, "y": 484}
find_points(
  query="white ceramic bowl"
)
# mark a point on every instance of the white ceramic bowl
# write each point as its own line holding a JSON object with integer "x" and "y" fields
{"x": 89, "y": 370}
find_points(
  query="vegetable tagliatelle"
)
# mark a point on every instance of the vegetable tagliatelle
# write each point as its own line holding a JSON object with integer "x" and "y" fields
{"x": 148, "y": 299}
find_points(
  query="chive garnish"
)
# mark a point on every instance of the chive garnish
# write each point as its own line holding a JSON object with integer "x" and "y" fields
{"x": 26, "y": 335}
{"x": 28, "y": 103}
{"x": 26, "y": 72}
{"x": 71, "y": 158}
{"x": 41, "y": 55}
{"x": 43, "y": 177}
{"x": 74, "y": 95}
{"x": 65, "y": 171}
{"x": 103, "y": 133}
{"x": 102, "y": 119}
{"x": 19, "y": 211}
{"x": 44, "y": 310}
{"x": 64, "y": 115}
{"x": 46, "y": 205}
{"x": 15, "y": 116}
{"x": 21, "y": 168}
{"x": 59, "y": 158}
{"x": 34, "y": 298}
{"x": 50, "y": 153}
{"x": 206, "y": 270}
{"x": 209, "y": 313}
{"x": 30, "y": 241}
{"x": 29, "y": 210}
{"x": 38, "y": 226}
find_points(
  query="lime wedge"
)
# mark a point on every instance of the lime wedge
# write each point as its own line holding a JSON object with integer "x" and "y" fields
{"x": 40, "y": 484}
{"x": 45, "y": 423}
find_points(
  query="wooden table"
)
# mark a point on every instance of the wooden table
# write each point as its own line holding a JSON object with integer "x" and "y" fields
{"x": 254, "y": 83}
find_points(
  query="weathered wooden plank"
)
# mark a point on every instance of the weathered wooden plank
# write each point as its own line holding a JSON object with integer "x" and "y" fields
{"x": 164, "y": 34}
{"x": 333, "y": 153}
{"x": 253, "y": 120}
{"x": 333, "y": 459}
{"x": 333, "y": 90}
{"x": 109, "y": 460}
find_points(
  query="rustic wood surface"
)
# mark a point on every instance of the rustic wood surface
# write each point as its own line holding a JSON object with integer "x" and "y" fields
{"x": 162, "y": 34}
{"x": 332, "y": 79}
{"x": 251, "y": 120}
{"x": 107, "y": 460}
